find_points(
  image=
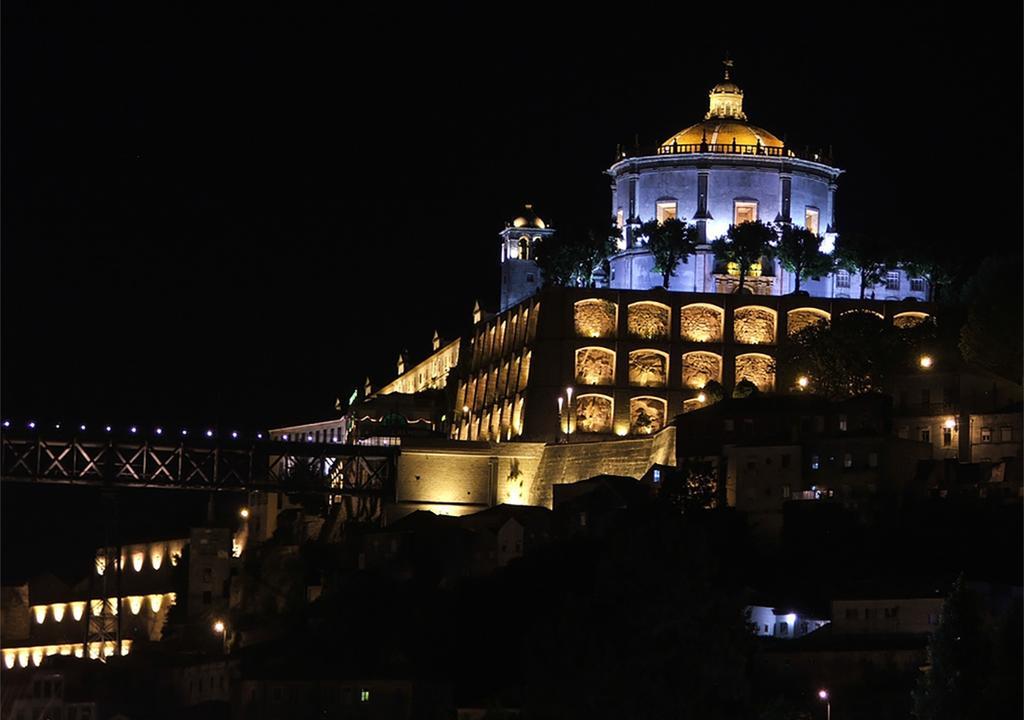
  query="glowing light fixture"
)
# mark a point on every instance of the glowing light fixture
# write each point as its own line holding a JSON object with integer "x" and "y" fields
{"x": 259, "y": 436}
{"x": 58, "y": 611}
{"x": 244, "y": 512}
{"x": 184, "y": 433}
{"x": 702, "y": 398}
{"x": 9, "y": 657}
{"x": 949, "y": 424}
{"x": 31, "y": 425}
{"x": 81, "y": 427}
{"x": 791, "y": 618}
{"x": 209, "y": 433}
{"x": 135, "y": 604}
{"x": 7, "y": 423}
{"x": 156, "y": 557}
{"x": 78, "y": 609}
{"x": 108, "y": 428}
{"x": 218, "y": 627}
{"x": 40, "y": 613}
{"x": 234, "y": 435}
{"x": 156, "y": 602}
{"x": 159, "y": 431}
{"x": 137, "y": 559}
{"x": 133, "y": 429}
{"x": 803, "y": 381}
{"x": 925, "y": 361}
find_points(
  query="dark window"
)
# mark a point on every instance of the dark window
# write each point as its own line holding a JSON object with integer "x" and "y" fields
{"x": 207, "y": 597}
{"x": 947, "y": 436}
{"x": 530, "y": 278}
{"x": 926, "y": 434}
{"x": 926, "y": 397}
{"x": 786, "y": 491}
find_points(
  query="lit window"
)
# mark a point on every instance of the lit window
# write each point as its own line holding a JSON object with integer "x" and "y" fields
{"x": 657, "y": 475}
{"x": 892, "y": 280}
{"x": 364, "y": 696}
{"x": 620, "y": 220}
{"x": 524, "y": 248}
{"x": 744, "y": 212}
{"x": 666, "y": 210}
{"x": 842, "y": 279}
{"x": 986, "y": 435}
{"x": 811, "y": 219}
{"x": 916, "y": 284}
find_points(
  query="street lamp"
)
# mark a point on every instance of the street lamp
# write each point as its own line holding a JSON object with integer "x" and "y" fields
{"x": 244, "y": 512}
{"x": 568, "y": 416}
{"x": 803, "y": 381}
{"x": 925, "y": 361}
{"x": 824, "y": 697}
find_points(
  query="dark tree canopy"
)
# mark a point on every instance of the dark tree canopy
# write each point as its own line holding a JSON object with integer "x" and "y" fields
{"x": 799, "y": 251}
{"x": 745, "y": 244}
{"x": 572, "y": 261}
{"x": 855, "y": 353}
{"x": 958, "y": 657}
{"x": 670, "y": 242}
{"x": 869, "y": 255}
{"x": 991, "y": 335}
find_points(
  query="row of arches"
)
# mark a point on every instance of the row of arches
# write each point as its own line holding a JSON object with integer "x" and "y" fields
{"x": 650, "y": 368}
{"x": 704, "y": 322}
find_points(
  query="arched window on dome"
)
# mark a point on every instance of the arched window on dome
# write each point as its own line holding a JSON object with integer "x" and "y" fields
{"x": 524, "y": 248}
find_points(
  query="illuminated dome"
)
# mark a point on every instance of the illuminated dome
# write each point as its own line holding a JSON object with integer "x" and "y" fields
{"x": 718, "y": 131}
{"x": 529, "y": 219}
{"x": 725, "y": 121}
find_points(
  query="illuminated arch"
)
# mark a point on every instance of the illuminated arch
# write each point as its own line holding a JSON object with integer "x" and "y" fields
{"x": 854, "y": 311}
{"x": 594, "y": 413}
{"x": 701, "y": 322}
{"x": 649, "y": 320}
{"x": 647, "y": 414}
{"x": 595, "y": 318}
{"x": 910, "y": 319}
{"x": 754, "y": 325}
{"x": 595, "y": 366}
{"x": 800, "y": 318}
{"x": 700, "y": 368}
{"x": 648, "y": 368}
{"x": 758, "y": 368}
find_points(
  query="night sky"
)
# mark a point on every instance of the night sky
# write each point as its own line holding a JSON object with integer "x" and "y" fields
{"x": 234, "y": 218}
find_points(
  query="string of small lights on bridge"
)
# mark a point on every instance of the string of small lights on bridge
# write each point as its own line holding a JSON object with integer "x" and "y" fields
{"x": 158, "y": 430}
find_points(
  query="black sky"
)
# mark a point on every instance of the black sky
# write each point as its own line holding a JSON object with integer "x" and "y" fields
{"x": 233, "y": 218}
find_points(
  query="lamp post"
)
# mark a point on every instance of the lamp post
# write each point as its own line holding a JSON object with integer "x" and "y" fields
{"x": 824, "y": 697}
{"x": 221, "y": 629}
{"x": 568, "y": 415}
{"x": 560, "y": 417}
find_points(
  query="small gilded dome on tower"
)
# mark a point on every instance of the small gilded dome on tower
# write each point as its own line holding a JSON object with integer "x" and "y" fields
{"x": 528, "y": 219}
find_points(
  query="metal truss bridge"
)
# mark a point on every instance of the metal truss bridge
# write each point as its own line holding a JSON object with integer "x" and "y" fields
{"x": 199, "y": 464}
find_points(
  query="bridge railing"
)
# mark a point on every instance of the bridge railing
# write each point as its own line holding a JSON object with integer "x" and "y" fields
{"x": 271, "y": 465}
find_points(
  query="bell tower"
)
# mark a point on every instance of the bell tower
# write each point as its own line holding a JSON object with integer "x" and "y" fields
{"x": 520, "y": 276}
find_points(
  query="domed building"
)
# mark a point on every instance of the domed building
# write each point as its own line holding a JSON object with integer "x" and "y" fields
{"x": 721, "y": 171}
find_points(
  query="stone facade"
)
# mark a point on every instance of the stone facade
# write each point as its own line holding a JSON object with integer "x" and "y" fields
{"x": 802, "y": 318}
{"x": 754, "y": 325}
{"x": 596, "y": 318}
{"x": 758, "y": 369}
{"x": 648, "y": 368}
{"x": 701, "y": 323}
{"x": 700, "y": 368}
{"x": 594, "y": 414}
{"x": 649, "y": 320}
{"x": 595, "y": 366}
{"x": 646, "y": 415}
